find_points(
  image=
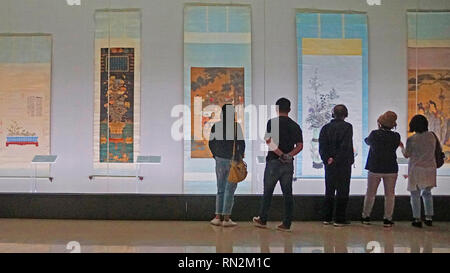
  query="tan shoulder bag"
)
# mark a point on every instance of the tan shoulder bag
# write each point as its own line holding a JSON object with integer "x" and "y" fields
{"x": 238, "y": 169}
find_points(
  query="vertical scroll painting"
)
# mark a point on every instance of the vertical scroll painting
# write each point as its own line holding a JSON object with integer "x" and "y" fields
{"x": 25, "y": 94}
{"x": 217, "y": 70}
{"x": 117, "y": 89}
{"x": 212, "y": 86}
{"x": 429, "y": 74}
{"x": 332, "y": 69}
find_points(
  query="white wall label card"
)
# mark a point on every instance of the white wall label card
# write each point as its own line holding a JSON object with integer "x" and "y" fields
{"x": 148, "y": 159}
{"x": 44, "y": 159}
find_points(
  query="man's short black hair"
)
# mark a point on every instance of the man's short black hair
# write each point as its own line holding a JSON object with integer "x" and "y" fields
{"x": 284, "y": 105}
{"x": 418, "y": 124}
{"x": 340, "y": 111}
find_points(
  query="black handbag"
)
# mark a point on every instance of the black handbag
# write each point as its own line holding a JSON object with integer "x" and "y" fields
{"x": 439, "y": 155}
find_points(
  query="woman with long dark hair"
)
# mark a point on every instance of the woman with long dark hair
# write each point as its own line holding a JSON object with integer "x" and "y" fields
{"x": 223, "y": 139}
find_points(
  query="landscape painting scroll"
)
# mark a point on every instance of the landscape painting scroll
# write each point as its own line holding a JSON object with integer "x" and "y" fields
{"x": 117, "y": 89}
{"x": 332, "y": 69}
{"x": 25, "y": 95}
{"x": 217, "y": 70}
{"x": 429, "y": 74}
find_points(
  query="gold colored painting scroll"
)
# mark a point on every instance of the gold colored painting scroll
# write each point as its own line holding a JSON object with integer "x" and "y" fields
{"x": 429, "y": 74}
{"x": 212, "y": 87}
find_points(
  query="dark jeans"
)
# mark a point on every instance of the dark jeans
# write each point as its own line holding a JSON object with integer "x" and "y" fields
{"x": 337, "y": 189}
{"x": 276, "y": 171}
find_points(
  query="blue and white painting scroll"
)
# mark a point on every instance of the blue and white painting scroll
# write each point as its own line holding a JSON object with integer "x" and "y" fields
{"x": 332, "y": 69}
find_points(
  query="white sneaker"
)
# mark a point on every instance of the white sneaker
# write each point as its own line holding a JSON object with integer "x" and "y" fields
{"x": 216, "y": 222}
{"x": 229, "y": 223}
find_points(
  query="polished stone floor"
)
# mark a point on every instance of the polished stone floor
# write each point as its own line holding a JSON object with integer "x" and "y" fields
{"x": 193, "y": 237}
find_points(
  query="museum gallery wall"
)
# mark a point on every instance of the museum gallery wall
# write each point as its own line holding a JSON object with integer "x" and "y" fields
{"x": 332, "y": 69}
{"x": 429, "y": 74}
{"x": 25, "y": 93}
{"x": 217, "y": 70}
{"x": 198, "y": 55}
{"x": 117, "y": 90}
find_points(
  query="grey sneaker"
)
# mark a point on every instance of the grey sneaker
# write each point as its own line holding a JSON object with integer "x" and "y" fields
{"x": 229, "y": 223}
{"x": 216, "y": 222}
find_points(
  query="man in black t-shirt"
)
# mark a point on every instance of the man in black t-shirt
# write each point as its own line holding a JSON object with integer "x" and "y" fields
{"x": 285, "y": 140}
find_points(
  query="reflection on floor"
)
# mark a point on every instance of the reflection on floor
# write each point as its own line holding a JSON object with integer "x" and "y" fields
{"x": 188, "y": 237}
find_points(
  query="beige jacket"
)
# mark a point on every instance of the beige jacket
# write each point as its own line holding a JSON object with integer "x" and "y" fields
{"x": 422, "y": 167}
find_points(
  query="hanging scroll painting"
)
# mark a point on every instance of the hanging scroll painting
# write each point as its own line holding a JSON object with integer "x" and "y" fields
{"x": 25, "y": 95}
{"x": 117, "y": 89}
{"x": 212, "y": 86}
{"x": 217, "y": 70}
{"x": 332, "y": 69}
{"x": 429, "y": 74}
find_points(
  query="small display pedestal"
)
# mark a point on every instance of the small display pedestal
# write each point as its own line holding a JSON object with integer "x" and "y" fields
{"x": 41, "y": 160}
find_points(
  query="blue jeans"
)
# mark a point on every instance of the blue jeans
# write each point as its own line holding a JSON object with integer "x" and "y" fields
{"x": 427, "y": 202}
{"x": 276, "y": 171}
{"x": 225, "y": 189}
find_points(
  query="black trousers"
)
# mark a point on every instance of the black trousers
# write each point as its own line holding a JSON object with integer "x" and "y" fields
{"x": 337, "y": 190}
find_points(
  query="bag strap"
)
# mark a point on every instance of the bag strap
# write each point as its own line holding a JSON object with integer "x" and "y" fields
{"x": 438, "y": 143}
{"x": 234, "y": 140}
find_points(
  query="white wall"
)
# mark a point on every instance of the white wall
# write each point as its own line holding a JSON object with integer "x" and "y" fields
{"x": 274, "y": 75}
